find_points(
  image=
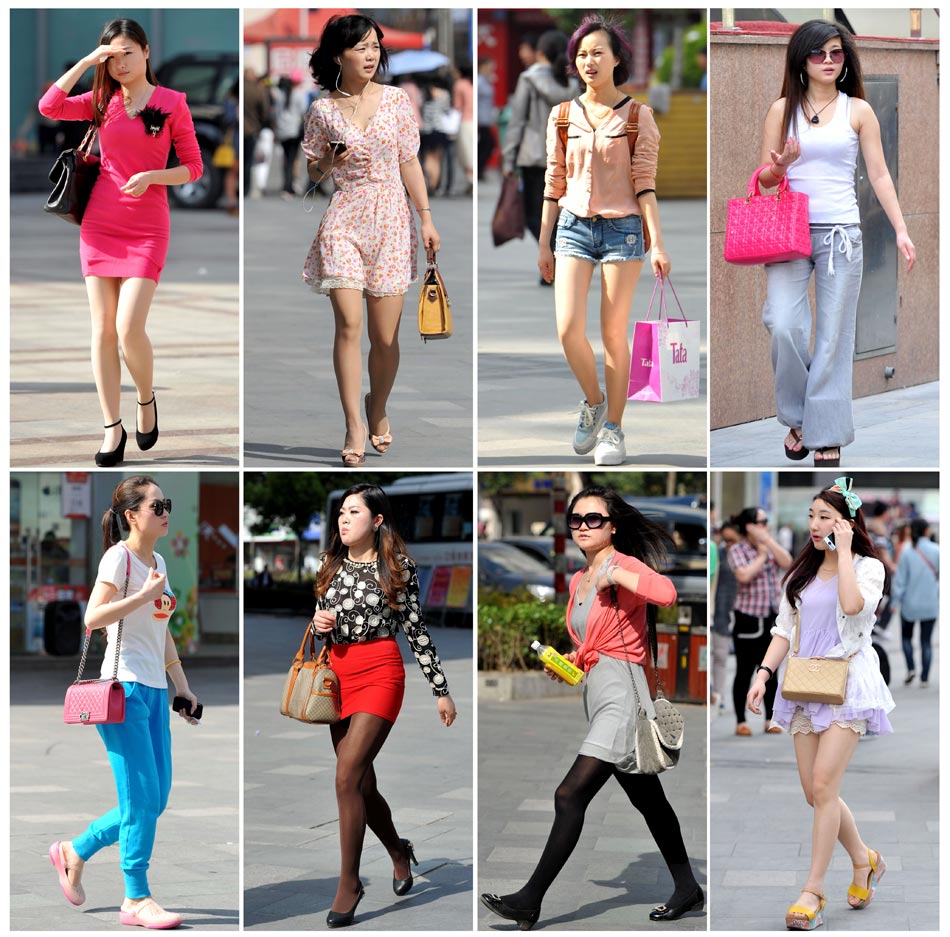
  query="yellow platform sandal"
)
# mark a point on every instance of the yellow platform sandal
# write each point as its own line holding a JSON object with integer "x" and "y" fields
{"x": 864, "y": 895}
{"x": 798, "y": 917}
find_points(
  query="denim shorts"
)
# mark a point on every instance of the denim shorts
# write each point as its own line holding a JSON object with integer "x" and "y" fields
{"x": 599, "y": 239}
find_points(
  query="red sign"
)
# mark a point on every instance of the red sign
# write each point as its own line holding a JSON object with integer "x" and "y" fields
{"x": 439, "y": 590}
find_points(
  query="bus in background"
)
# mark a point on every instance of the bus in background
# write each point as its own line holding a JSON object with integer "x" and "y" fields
{"x": 434, "y": 514}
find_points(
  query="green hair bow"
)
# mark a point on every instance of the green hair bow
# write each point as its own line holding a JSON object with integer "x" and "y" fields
{"x": 844, "y": 485}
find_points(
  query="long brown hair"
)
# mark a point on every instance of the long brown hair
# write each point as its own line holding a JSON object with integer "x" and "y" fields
{"x": 103, "y": 84}
{"x": 128, "y": 495}
{"x": 806, "y": 564}
{"x": 813, "y": 35}
{"x": 390, "y": 548}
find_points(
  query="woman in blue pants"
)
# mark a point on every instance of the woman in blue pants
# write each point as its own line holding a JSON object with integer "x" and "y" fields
{"x": 131, "y": 585}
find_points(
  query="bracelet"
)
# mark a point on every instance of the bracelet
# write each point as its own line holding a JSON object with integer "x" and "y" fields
{"x": 172, "y": 663}
{"x": 770, "y": 671}
{"x": 610, "y": 574}
{"x": 421, "y": 210}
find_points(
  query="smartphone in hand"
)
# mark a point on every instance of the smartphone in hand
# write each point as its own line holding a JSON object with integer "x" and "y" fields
{"x": 830, "y": 541}
{"x": 338, "y": 147}
{"x": 180, "y": 703}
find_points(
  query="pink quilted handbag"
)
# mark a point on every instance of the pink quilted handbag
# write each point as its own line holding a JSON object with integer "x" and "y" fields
{"x": 93, "y": 702}
{"x": 767, "y": 229}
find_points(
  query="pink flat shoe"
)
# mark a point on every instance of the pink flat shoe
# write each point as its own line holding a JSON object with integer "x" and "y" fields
{"x": 149, "y": 913}
{"x": 74, "y": 893}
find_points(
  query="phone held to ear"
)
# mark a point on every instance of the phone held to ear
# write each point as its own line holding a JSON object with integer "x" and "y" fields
{"x": 830, "y": 541}
{"x": 180, "y": 703}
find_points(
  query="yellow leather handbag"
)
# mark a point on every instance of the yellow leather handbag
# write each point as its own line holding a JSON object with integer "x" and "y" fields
{"x": 435, "y": 310}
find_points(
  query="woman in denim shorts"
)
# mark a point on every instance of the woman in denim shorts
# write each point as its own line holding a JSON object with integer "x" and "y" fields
{"x": 822, "y": 117}
{"x": 600, "y": 197}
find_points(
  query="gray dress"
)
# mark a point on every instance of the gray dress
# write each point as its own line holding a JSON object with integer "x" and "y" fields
{"x": 609, "y": 701}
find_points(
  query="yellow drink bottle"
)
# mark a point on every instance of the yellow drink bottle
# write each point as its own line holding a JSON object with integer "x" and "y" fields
{"x": 560, "y": 665}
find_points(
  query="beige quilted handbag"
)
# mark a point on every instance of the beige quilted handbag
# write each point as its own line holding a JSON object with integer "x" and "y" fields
{"x": 312, "y": 690}
{"x": 814, "y": 679}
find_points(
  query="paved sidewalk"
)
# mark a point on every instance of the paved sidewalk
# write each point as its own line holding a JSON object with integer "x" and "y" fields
{"x": 60, "y": 780}
{"x": 899, "y": 429}
{"x": 193, "y": 326}
{"x": 291, "y": 838}
{"x": 760, "y": 825}
{"x": 615, "y": 874}
{"x": 526, "y": 391}
{"x": 292, "y": 412}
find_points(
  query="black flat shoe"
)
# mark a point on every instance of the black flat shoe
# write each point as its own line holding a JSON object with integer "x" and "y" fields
{"x": 526, "y": 917}
{"x": 345, "y": 918}
{"x": 147, "y": 440}
{"x": 108, "y": 459}
{"x": 402, "y": 885}
{"x": 694, "y": 901}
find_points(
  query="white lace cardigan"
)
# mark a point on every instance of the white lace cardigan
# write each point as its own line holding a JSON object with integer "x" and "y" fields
{"x": 854, "y": 630}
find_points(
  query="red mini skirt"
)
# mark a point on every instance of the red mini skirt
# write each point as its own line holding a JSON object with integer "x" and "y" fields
{"x": 372, "y": 677}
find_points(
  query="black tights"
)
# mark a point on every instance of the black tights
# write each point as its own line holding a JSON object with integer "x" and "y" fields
{"x": 357, "y": 741}
{"x": 586, "y": 777}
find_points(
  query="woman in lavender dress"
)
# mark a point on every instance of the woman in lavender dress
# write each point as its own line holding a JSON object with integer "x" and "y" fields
{"x": 834, "y": 594}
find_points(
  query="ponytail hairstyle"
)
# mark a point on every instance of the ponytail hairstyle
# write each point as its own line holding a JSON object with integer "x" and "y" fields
{"x": 391, "y": 554}
{"x": 918, "y": 528}
{"x": 103, "y": 84}
{"x": 635, "y": 535}
{"x": 805, "y": 567}
{"x": 128, "y": 495}
{"x": 553, "y": 46}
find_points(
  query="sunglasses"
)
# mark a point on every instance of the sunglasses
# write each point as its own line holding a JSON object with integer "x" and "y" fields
{"x": 760, "y": 520}
{"x": 817, "y": 56}
{"x": 160, "y": 507}
{"x": 593, "y": 521}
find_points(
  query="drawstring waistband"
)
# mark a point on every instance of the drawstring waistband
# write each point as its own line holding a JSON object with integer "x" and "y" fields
{"x": 844, "y": 247}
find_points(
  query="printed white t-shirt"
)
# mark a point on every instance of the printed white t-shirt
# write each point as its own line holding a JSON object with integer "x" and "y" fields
{"x": 142, "y": 655}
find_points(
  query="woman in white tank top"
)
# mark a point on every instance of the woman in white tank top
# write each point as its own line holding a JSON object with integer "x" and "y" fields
{"x": 822, "y": 118}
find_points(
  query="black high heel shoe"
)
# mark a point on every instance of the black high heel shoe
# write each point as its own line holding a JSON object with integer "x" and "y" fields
{"x": 147, "y": 440}
{"x": 108, "y": 459}
{"x": 526, "y": 917}
{"x": 402, "y": 885}
{"x": 694, "y": 901}
{"x": 345, "y": 918}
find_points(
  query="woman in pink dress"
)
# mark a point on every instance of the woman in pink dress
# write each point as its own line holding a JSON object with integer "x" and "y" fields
{"x": 365, "y": 135}
{"x": 123, "y": 238}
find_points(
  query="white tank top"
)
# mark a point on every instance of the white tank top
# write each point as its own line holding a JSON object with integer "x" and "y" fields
{"x": 825, "y": 170}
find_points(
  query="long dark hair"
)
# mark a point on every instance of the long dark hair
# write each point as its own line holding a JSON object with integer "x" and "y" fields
{"x": 342, "y": 33}
{"x": 390, "y": 547}
{"x": 635, "y": 535}
{"x": 103, "y": 84}
{"x": 918, "y": 528}
{"x": 806, "y": 564}
{"x": 813, "y": 35}
{"x": 619, "y": 45}
{"x": 553, "y": 46}
{"x": 128, "y": 495}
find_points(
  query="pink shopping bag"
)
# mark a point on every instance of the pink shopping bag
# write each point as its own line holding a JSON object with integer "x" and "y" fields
{"x": 664, "y": 360}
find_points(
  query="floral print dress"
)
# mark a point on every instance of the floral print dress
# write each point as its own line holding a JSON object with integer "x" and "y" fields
{"x": 366, "y": 239}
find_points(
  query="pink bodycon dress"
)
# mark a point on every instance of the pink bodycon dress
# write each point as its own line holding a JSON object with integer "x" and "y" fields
{"x": 121, "y": 235}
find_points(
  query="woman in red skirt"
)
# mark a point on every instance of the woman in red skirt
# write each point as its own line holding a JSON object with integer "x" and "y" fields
{"x": 366, "y": 590}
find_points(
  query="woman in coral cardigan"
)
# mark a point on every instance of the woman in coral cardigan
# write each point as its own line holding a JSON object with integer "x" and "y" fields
{"x": 623, "y": 549}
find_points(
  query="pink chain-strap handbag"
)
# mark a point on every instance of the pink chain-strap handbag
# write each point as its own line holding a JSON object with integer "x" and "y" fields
{"x": 767, "y": 229}
{"x": 93, "y": 702}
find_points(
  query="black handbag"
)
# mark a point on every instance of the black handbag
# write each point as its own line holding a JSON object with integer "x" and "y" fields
{"x": 73, "y": 175}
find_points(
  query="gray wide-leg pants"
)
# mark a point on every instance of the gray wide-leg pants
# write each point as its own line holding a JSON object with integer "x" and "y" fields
{"x": 813, "y": 391}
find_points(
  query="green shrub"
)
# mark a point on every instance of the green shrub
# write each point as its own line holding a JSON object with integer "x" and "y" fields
{"x": 509, "y": 622}
{"x": 693, "y": 41}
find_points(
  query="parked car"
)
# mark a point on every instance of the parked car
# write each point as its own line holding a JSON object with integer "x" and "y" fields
{"x": 542, "y": 548}
{"x": 206, "y": 78}
{"x": 506, "y": 568}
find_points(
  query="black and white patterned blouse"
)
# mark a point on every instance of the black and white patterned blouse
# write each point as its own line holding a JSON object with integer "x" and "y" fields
{"x": 363, "y": 614}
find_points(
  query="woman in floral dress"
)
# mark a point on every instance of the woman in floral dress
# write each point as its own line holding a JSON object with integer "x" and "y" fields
{"x": 365, "y": 136}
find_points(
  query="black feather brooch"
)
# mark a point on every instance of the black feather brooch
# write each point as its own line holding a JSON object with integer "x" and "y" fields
{"x": 154, "y": 119}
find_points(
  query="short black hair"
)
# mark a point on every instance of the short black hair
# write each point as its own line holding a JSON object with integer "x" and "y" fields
{"x": 342, "y": 33}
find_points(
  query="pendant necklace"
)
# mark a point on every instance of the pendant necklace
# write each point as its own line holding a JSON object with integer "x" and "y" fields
{"x": 814, "y": 117}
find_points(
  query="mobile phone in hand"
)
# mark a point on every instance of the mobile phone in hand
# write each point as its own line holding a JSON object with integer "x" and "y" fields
{"x": 180, "y": 703}
{"x": 338, "y": 147}
{"x": 830, "y": 541}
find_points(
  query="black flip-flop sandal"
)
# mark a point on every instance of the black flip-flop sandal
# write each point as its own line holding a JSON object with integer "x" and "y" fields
{"x": 827, "y": 463}
{"x": 796, "y": 455}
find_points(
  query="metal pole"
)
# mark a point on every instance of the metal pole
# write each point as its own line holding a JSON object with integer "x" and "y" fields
{"x": 915, "y": 24}
{"x": 728, "y": 18}
{"x": 558, "y": 507}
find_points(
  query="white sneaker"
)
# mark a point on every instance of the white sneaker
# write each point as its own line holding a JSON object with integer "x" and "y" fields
{"x": 610, "y": 448}
{"x": 588, "y": 425}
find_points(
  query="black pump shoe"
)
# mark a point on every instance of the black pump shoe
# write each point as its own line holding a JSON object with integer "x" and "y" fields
{"x": 402, "y": 885}
{"x": 108, "y": 459}
{"x": 526, "y": 917}
{"x": 345, "y": 918}
{"x": 694, "y": 901}
{"x": 147, "y": 440}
